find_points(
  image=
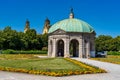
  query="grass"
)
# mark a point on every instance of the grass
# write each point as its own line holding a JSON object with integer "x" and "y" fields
{"x": 41, "y": 64}
{"x": 29, "y": 63}
{"x": 19, "y": 56}
{"x": 110, "y": 58}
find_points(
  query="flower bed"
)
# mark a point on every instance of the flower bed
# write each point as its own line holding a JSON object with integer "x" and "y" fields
{"x": 91, "y": 69}
{"x": 110, "y": 58}
{"x": 59, "y": 71}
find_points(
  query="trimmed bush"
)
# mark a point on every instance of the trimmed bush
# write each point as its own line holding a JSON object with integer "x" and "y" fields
{"x": 9, "y": 51}
{"x": 44, "y": 49}
{"x": 113, "y": 53}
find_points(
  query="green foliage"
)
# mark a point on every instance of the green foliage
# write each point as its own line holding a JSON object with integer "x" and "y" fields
{"x": 107, "y": 43}
{"x": 44, "y": 49}
{"x": 45, "y": 66}
{"x": 11, "y": 39}
{"x": 44, "y": 38}
{"x": 113, "y": 53}
{"x": 42, "y": 64}
{"x": 102, "y": 43}
{"x": 9, "y": 51}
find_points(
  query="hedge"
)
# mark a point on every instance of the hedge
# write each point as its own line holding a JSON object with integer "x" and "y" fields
{"x": 113, "y": 53}
{"x": 9, "y": 51}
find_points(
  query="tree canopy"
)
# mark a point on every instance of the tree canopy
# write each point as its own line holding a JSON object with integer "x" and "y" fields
{"x": 107, "y": 43}
{"x": 11, "y": 39}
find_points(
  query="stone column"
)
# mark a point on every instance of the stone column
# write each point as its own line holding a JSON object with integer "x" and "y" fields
{"x": 66, "y": 47}
{"x": 80, "y": 48}
{"x": 88, "y": 50}
{"x": 49, "y": 49}
{"x": 54, "y": 48}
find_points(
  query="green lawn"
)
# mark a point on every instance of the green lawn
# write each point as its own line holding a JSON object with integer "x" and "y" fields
{"x": 41, "y": 64}
{"x": 19, "y": 56}
{"x": 110, "y": 58}
{"x": 29, "y": 63}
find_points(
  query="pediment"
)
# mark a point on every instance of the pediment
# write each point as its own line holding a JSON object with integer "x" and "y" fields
{"x": 59, "y": 31}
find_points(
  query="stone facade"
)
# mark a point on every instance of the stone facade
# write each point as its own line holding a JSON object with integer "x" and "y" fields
{"x": 59, "y": 44}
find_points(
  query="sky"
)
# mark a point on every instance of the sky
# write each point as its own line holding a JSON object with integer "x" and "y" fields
{"x": 102, "y": 15}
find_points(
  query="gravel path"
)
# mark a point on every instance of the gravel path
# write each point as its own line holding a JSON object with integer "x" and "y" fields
{"x": 113, "y": 73}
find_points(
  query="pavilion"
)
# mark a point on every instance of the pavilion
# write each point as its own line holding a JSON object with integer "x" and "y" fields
{"x": 71, "y": 38}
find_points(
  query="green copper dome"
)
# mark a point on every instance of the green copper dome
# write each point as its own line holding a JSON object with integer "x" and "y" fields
{"x": 72, "y": 25}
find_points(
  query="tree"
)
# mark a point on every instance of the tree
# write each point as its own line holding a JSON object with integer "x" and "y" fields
{"x": 117, "y": 43}
{"x": 44, "y": 38}
{"x": 32, "y": 40}
{"x": 102, "y": 43}
{"x": 40, "y": 42}
{"x": 10, "y": 39}
{"x": 8, "y": 28}
{"x": 1, "y": 39}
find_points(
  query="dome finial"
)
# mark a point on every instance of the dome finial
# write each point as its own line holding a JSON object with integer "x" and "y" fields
{"x": 71, "y": 13}
{"x": 71, "y": 10}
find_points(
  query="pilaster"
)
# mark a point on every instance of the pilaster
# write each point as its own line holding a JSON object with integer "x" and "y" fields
{"x": 54, "y": 48}
{"x": 88, "y": 50}
{"x": 66, "y": 47}
{"x": 49, "y": 49}
{"x": 80, "y": 48}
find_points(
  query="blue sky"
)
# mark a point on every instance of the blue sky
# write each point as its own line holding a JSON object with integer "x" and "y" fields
{"x": 103, "y": 15}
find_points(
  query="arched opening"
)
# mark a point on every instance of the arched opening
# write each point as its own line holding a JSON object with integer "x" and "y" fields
{"x": 92, "y": 52}
{"x": 91, "y": 46}
{"x": 74, "y": 48}
{"x": 60, "y": 48}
